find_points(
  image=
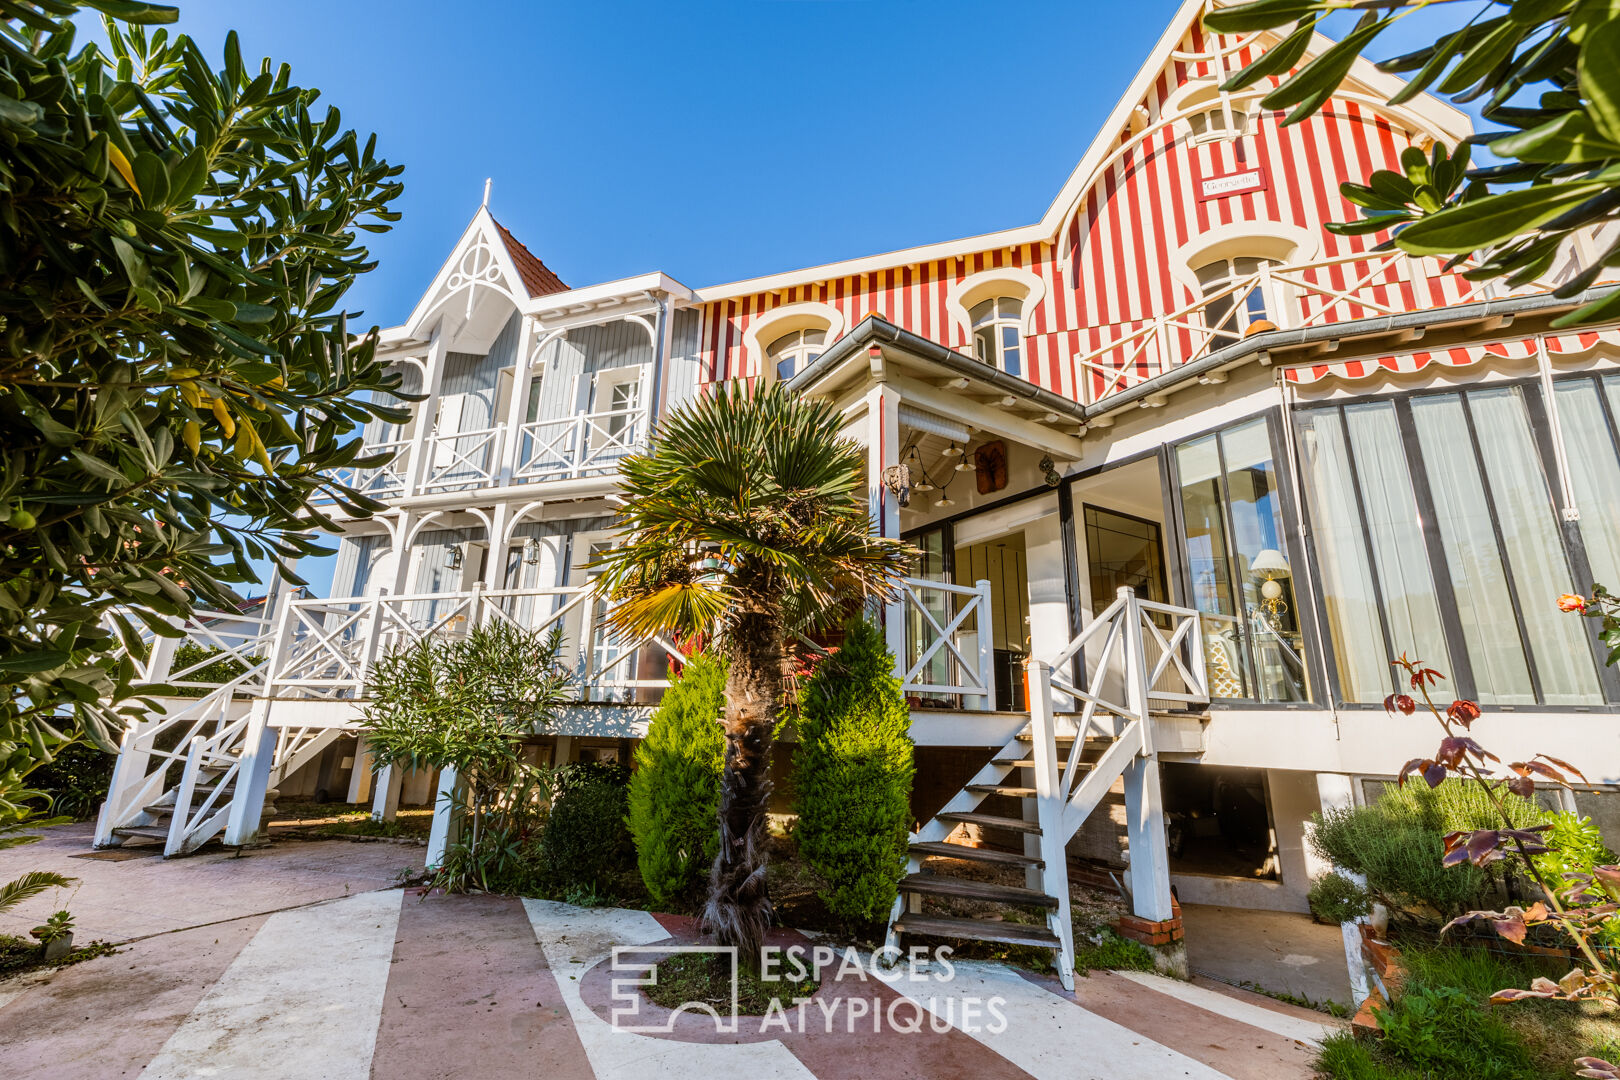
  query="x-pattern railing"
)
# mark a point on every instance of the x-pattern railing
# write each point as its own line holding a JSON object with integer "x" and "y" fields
{"x": 382, "y": 481}
{"x": 1296, "y": 295}
{"x": 463, "y": 458}
{"x": 967, "y": 673}
{"x": 582, "y": 445}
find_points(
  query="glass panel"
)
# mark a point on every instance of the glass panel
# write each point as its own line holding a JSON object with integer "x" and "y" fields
{"x": 1242, "y": 120}
{"x": 1411, "y": 606}
{"x": 1264, "y": 576}
{"x": 1208, "y": 565}
{"x": 983, "y": 311}
{"x": 1355, "y": 628}
{"x": 815, "y": 337}
{"x": 1535, "y": 550}
{"x": 1011, "y": 307}
{"x": 1123, "y": 551}
{"x": 782, "y": 343}
{"x": 1197, "y": 122}
{"x": 785, "y": 369}
{"x": 1595, "y": 472}
{"x": 1010, "y": 360}
{"x": 1213, "y": 275}
{"x": 1490, "y": 629}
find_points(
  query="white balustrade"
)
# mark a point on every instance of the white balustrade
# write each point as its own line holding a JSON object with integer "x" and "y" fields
{"x": 949, "y": 646}
{"x": 590, "y": 444}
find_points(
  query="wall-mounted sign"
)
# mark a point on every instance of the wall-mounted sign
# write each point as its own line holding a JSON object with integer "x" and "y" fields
{"x": 1220, "y": 187}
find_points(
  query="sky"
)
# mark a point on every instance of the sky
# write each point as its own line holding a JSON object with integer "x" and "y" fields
{"x": 712, "y": 141}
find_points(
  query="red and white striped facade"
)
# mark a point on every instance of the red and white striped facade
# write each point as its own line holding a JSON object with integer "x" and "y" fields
{"x": 1111, "y": 267}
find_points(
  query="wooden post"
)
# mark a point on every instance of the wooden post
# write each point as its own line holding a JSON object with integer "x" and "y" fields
{"x": 129, "y": 770}
{"x": 181, "y": 816}
{"x": 985, "y": 636}
{"x": 252, "y": 776}
{"x": 1050, "y": 803}
{"x": 1144, "y": 800}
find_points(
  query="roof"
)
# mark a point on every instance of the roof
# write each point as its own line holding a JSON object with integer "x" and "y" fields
{"x": 538, "y": 280}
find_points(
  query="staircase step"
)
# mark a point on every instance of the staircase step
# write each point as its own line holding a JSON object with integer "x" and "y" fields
{"x": 1002, "y": 789}
{"x": 940, "y": 849}
{"x": 989, "y": 892}
{"x": 144, "y": 832}
{"x": 166, "y": 810}
{"x": 1029, "y": 763}
{"x": 991, "y": 821}
{"x": 1024, "y": 736}
{"x": 978, "y": 930}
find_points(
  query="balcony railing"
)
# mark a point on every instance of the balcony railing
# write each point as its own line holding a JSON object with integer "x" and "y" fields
{"x": 541, "y": 451}
{"x": 591, "y": 444}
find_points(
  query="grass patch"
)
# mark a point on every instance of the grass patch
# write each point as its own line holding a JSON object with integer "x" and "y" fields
{"x": 19, "y": 954}
{"x": 1110, "y": 952}
{"x": 706, "y": 977}
{"x": 1440, "y": 1026}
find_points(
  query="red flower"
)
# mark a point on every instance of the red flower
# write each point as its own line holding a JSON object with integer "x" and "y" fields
{"x": 1572, "y": 602}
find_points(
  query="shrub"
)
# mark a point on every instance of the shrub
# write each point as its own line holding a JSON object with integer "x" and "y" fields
{"x": 1334, "y": 898}
{"x": 73, "y": 784}
{"x": 586, "y": 844}
{"x": 675, "y": 790}
{"x": 854, "y": 768}
{"x": 1576, "y": 847}
{"x": 1445, "y": 1034}
{"x": 1396, "y": 844}
{"x": 221, "y": 671}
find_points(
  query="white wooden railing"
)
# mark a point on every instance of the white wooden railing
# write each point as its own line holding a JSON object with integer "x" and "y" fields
{"x": 327, "y": 648}
{"x": 1293, "y": 296}
{"x": 385, "y": 481}
{"x": 591, "y": 444}
{"x": 463, "y": 459}
{"x": 949, "y": 641}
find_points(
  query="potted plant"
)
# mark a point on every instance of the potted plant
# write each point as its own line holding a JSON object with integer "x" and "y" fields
{"x": 55, "y": 936}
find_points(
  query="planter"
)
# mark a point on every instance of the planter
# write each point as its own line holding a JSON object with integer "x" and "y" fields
{"x": 57, "y": 948}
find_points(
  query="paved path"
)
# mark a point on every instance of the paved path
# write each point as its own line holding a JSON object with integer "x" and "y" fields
{"x": 305, "y": 965}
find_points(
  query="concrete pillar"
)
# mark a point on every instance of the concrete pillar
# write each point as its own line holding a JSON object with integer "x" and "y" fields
{"x": 883, "y": 450}
{"x": 1336, "y": 791}
{"x": 564, "y": 752}
{"x": 385, "y": 803}
{"x": 1048, "y": 595}
{"x": 360, "y": 775}
{"x": 446, "y": 816}
{"x": 253, "y": 776}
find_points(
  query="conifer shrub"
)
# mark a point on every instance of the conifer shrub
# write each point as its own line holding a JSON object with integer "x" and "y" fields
{"x": 585, "y": 844}
{"x": 854, "y": 769}
{"x": 675, "y": 789}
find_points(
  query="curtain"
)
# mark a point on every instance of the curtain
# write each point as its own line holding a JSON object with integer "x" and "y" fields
{"x": 1595, "y": 473}
{"x": 1534, "y": 549}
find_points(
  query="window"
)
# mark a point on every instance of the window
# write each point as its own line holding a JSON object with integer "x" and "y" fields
{"x": 1242, "y": 299}
{"x": 1587, "y": 409}
{"x": 1436, "y": 535}
{"x": 997, "y": 339}
{"x": 616, "y": 403}
{"x": 1240, "y": 574}
{"x": 792, "y": 353}
{"x": 1212, "y": 123}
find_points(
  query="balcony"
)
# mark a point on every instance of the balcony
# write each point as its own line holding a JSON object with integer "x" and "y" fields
{"x": 586, "y": 446}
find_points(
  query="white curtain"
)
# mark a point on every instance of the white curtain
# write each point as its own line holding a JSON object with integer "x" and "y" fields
{"x": 1595, "y": 473}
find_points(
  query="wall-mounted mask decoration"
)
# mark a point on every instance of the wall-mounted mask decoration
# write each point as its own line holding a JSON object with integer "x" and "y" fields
{"x": 990, "y": 466}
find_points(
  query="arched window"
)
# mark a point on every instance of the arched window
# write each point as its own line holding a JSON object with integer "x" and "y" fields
{"x": 1213, "y": 123}
{"x": 1242, "y": 298}
{"x": 997, "y": 338}
{"x": 793, "y": 352}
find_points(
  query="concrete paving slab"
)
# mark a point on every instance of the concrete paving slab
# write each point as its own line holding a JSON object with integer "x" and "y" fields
{"x": 1279, "y": 951}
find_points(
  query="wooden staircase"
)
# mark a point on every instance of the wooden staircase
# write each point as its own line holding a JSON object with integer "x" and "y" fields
{"x": 1059, "y": 769}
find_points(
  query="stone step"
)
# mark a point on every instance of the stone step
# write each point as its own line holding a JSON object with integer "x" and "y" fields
{"x": 988, "y": 892}
{"x": 978, "y": 930}
{"x": 940, "y": 849}
{"x": 991, "y": 821}
{"x": 143, "y": 832}
{"x": 1002, "y": 789}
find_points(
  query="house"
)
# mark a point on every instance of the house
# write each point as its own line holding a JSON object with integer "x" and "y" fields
{"x": 1302, "y": 456}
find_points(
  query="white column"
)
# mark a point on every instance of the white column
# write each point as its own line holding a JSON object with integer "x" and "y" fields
{"x": 253, "y": 776}
{"x": 1144, "y": 799}
{"x": 564, "y": 753}
{"x": 1336, "y": 792}
{"x": 1051, "y": 802}
{"x": 385, "y": 801}
{"x": 129, "y": 772}
{"x": 360, "y": 775}
{"x": 1048, "y": 592}
{"x": 517, "y": 408}
{"x": 427, "y": 411}
{"x": 445, "y": 819}
{"x": 883, "y": 450}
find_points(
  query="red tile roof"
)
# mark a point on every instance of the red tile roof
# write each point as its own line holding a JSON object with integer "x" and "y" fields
{"x": 537, "y": 278}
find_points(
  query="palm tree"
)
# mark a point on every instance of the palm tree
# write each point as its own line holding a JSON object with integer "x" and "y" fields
{"x": 747, "y": 521}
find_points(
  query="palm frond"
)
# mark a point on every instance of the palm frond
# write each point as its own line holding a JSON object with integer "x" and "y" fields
{"x": 29, "y": 885}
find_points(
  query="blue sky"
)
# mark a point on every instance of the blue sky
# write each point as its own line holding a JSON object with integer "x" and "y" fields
{"x": 713, "y": 141}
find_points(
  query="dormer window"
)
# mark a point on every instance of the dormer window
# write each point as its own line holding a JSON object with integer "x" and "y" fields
{"x": 997, "y": 338}
{"x": 1242, "y": 299}
{"x": 1214, "y": 123}
{"x": 792, "y": 353}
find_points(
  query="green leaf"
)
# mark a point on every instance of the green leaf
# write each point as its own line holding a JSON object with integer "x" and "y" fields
{"x": 1259, "y": 15}
{"x": 1599, "y": 72}
{"x": 33, "y": 663}
{"x": 1276, "y": 60}
{"x": 1311, "y": 86}
{"x": 1479, "y": 223}
{"x": 1569, "y": 139}
{"x": 133, "y": 11}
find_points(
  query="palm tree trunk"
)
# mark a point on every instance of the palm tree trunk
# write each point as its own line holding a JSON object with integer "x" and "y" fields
{"x": 739, "y": 907}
